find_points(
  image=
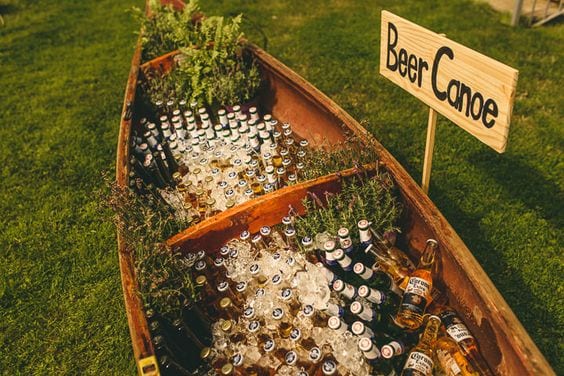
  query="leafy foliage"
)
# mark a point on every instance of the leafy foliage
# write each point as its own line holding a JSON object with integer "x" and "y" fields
{"x": 372, "y": 198}
{"x": 167, "y": 29}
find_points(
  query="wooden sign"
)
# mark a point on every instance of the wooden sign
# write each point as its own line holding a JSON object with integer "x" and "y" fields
{"x": 472, "y": 90}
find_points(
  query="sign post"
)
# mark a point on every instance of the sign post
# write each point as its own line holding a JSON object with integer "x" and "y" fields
{"x": 472, "y": 90}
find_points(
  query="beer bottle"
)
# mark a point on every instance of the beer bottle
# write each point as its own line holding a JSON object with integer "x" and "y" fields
{"x": 345, "y": 289}
{"x": 399, "y": 346}
{"x": 169, "y": 367}
{"x": 369, "y": 350}
{"x": 450, "y": 359}
{"x": 343, "y": 260}
{"x": 199, "y": 322}
{"x": 460, "y": 333}
{"x": 187, "y": 357}
{"x": 418, "y": 290}
{"x": 420, "y": 359}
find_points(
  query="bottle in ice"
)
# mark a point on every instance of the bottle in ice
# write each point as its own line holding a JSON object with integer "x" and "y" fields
{"x": 418, "y": 290}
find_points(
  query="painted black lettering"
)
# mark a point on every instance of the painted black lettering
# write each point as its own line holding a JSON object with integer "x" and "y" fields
{"x": 412, "y": 67}
{"x": 402, "y": 69}
{"x": 441, "y": 95}
{"x": 422, "y": 66}
{"x": 391, "y": 45}
{"x": 477, "y": 97}
{"x": 456, "y": 85}
{"x": 464, "y": 91}
{"x": 490, "y": 108}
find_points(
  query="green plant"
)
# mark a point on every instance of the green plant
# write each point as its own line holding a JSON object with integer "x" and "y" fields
{"x": 371, "y": 198}
{"x": 167, "y": 29}
{"x": 211, "y": 69}
{"x": 330, "y": 158}
{"x": 165, "y": 281}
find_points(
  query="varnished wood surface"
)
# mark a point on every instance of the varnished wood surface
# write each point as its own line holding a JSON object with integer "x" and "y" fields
{"x": 504, "y": 342}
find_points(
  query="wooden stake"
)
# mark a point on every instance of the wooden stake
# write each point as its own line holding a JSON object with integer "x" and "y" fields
{"x": 429, "y": 146}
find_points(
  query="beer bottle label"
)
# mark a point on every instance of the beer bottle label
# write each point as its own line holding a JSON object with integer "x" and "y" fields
{"x": 458, "y": 332}
{"x": 416, "y": 294}
{"x": 454, "y": 326}
{"x": 419, "y": 362}
{"x": 449, "y": 365}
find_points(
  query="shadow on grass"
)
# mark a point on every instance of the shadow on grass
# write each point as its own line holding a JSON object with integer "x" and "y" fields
{"x": 525, "y": 304}
{"x": 524, "y": 183}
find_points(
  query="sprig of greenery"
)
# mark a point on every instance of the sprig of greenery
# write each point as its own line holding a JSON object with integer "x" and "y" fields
{"x": 331, "y": 157}
{"x": 167, "y": 29}
{"x": 361, "y": 198}
{"x": 145, "y": 222}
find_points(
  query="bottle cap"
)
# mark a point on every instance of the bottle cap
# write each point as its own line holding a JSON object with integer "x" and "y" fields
{"x": 359, "y": 268}
{"x": 253, "y": 326}
{"x": 276, "y": 279}
{"x": 277, "y": 313}
{"x": 338, "y": 254}
{"x": 329, "y": 246}
{"x": 329, "y": 368}
{"x": 222, "y": 286}
{"x": 286, "y": 294}
{"x": 295, "y": 334}
{"x": 338, "y": 285}
{"x": 358, "y": 328}
{"x": 388, "y": 350}
{"x": 201, "y": 280}
{"x": 254, "y": 269}
{"x": 241, "y": 286}
{"x": 365, "y": 344}
{"x": 343, "y": 232}
{"x": 265, "y": 230}
{"x": 224, "y": 251}
{"x": 363, "y": 290}
{"x": 314, "y": 354}
{"x": 238, "y": 359}
{"x": 307, "y": 241}
{"x": 334, "y": 322}
{"x": 227, "y": 369}
{"x": 363, "y": 224}
{"x": 356, "y": 307}
{"x": 225, "y": 303}
{"x": 308, "y": 310}
{"x": 205, "y": 353}
{"x": 269, "y": 345}
{"x": 291, "y": 358}
{"x": 245, "y": 235}
{"x": 226, "y": 325}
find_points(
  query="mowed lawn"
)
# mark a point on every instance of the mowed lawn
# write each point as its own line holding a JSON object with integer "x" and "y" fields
{"x": 63, "y": 68}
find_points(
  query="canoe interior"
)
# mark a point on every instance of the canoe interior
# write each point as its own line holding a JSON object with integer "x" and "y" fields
{"x": 504, "y": 343}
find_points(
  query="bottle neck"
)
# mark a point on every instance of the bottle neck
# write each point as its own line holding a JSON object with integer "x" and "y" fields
{"x": 430, "y": 334}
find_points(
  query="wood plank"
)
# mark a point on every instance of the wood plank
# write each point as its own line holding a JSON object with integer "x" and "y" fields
{"x": 424, "y": 53}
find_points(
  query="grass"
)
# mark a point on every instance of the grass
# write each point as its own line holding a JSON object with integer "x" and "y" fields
{"x": 63, "y": 69}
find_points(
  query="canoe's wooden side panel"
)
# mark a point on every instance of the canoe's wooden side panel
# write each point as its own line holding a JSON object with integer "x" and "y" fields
{"x": 505, "y": 343}
{"x": 266, "y": 210}
{"x": 138, "y": 328}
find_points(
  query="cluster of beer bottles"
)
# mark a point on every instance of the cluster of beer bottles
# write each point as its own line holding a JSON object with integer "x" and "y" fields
{"x": 272, "y": 304}
{"x": 201, "y": 169}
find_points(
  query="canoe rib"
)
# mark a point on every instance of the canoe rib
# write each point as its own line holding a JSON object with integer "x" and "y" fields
{"x": 504, "y": 341}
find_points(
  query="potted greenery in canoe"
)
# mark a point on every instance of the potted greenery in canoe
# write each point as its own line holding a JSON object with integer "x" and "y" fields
{"x": 218, "y": 72}
{"x": 211, "y": 67}
{"x": 167, "y": 29}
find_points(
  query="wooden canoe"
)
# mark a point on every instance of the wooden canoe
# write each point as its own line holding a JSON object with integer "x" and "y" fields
{"x": 504, "y": 342}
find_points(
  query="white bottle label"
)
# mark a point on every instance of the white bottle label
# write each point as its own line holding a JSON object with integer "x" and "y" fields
{"x": 418, "y": 286}
{"x": 458, "y": 332}
{"x": 449, "y": 365}
{"x": 419, "y": 362}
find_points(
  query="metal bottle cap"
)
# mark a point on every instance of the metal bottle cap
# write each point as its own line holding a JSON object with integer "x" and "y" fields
{"x": 356, "y": 307}
{"x": 225, "y": 303}
{"x": 365, "y": 344}
{"x": 334, "y": 322}
{"x": 201, "y": 280}
{"x": 358, "y": 328}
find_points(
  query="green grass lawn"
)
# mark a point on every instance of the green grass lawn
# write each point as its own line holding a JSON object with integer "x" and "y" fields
{"x": 63, "y": 68}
